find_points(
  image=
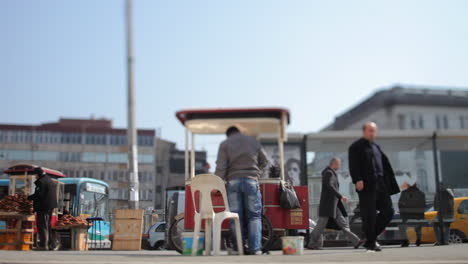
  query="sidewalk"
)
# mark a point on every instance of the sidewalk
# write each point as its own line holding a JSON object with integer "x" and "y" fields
{"x": 414, "y": 255}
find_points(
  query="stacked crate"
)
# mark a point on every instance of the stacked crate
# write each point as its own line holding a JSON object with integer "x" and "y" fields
{"x": 18, "y": 231}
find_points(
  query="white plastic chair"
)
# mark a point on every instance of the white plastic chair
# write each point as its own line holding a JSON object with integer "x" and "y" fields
{"x": 205, "y": 184}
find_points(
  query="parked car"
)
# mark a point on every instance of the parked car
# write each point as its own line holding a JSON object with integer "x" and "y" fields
{"x": 157, "y": 236}
{"x": 458, "y": 229}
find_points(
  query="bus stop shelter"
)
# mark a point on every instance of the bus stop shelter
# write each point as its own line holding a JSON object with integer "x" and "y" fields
{"x": 427, "y": 158}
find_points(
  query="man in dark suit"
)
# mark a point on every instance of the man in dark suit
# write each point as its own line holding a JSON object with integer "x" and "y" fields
{"x": 44, "y": 202}
{"x": 375, "y": 182}
{"x": 331, "y": 208}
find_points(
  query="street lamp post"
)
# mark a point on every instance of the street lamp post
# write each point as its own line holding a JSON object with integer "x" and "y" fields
{"x": 133, "y": 186}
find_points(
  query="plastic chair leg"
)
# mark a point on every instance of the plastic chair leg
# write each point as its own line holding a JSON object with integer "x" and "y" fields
{"x": 217, "y": 237}
{"x": 208, "y": 232}
{"x": 240, "y": 247}
{"x": 196, "y": 233}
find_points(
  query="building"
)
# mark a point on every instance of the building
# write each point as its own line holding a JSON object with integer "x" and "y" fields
{"x": 403, "y": 109}
{"x": 170, "y": 167}
{"x": 408, "y": 108}
{"x": 84, "y": 148}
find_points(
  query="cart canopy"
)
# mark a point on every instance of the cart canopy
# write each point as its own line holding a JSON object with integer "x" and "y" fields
{"x": 251, "y": 121}
{"x": 28, "y": 169}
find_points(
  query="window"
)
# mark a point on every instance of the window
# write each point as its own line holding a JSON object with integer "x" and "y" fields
{"x": 94, "y": 157}
{"x": 20, "y": 155}
{"x": 71, "y": 138}
{"x": 96, "y": 139}
{"x": 463, "y": 208}
{"x": 69, "y": 156}
{"x": 463, "y": 122}
{"x": 45, "y": 155}
{"x": 438, "y": 123}
{"x": 145, "y": 140}
{"x": 145, "y": 158}
{"x": 117, "y": 157}
{"x": 401, "y": 121}
{"x": 161, "y": 228}
{"x": 421, "y": 122}
{"x": 446, "y": 123}
{"x": 118, "y": 140}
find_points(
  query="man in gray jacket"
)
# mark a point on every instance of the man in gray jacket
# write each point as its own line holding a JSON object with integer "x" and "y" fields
{"x": 331, "y": 208}
{"x": 241, "y": 161}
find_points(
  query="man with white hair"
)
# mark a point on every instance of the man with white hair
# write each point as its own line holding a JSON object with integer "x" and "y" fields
{"x": 331, "y": 208}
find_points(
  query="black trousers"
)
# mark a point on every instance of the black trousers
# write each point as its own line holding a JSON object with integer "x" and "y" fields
{"x": 44, "y": 229}
{"x": 376, "y": 211}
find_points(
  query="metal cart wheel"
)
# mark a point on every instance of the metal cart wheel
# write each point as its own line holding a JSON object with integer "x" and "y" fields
{"x": 175, "y": 235}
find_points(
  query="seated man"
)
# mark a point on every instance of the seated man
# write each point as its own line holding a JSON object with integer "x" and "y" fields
{"x": 412, "y": 205}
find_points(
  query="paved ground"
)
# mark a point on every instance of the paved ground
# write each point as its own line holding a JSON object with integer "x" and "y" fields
{"x": 452, "y": 254}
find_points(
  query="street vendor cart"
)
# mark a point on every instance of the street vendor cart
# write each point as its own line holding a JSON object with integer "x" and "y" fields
{"x": 16, "y": 213}
{"x": 257, "y": 122}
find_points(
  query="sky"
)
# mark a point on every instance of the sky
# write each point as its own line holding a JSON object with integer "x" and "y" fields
{"x": 317, "y": 58}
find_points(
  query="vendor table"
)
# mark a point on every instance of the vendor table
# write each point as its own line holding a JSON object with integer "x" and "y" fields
{"x": 78, "y": 236}
{"x": 19, "y": 237}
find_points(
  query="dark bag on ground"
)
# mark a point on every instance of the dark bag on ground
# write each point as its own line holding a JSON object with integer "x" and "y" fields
{"x": 288, "y": 197}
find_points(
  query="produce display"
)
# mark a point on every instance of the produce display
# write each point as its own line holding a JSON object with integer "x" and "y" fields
{"x": 71, "y": 221}
{"x": 18, "y": 203}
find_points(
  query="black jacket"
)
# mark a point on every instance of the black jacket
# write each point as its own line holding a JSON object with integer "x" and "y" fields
{"x": 330, "y": 197}
{"x": 412, "y": 203}
{"x": 45, "y": 194}
{"x": 362, "y": 167}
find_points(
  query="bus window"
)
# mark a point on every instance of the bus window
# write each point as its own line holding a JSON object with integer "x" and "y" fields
{"x": 93, "y": 200}
{"x": 3, "y": 191}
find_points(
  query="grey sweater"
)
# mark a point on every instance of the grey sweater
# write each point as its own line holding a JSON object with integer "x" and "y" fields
{"x": 241, "y": 156}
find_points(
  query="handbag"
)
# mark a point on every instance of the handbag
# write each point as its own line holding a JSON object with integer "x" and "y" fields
{"x": 288, "y": 197}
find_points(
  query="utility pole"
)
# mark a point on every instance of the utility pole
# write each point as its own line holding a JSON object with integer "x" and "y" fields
{"x": 435, "y": 151}
{"x": 133, "y": 187}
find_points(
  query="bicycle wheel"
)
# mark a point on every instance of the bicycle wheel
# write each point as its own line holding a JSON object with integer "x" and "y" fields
{"x": 175, "y": 235}
{"x": 267, "y": 234}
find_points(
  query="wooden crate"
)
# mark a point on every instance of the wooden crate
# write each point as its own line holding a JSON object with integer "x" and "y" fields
{"x": 18, "y": 234}
{"x": 128, "y": 227}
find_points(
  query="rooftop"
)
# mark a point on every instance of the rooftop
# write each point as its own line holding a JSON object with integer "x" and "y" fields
{"x": 401, "y": 95}
{"x": 72, "y": 125}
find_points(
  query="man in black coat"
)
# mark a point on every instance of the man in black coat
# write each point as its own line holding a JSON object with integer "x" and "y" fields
{"x": 44, "y": 202}
{"x": 375, "y": 182}
{"x": 331, "y": 208}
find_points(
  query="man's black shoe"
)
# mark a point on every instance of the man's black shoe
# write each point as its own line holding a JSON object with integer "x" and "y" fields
{"x": 405, "y": 243}
{"x": 418, "y": 242}
{"x": 376, "y": 247}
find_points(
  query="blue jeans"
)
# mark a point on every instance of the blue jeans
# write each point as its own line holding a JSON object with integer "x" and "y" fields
{"x": 245, "y": 199}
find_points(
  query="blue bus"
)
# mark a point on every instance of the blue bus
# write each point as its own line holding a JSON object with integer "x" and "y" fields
{"x": 87, "y": 197}
{"x": 83, "y": 197}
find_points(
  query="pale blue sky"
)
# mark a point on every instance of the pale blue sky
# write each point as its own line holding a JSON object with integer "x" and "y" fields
{"x": 316, "y": 58}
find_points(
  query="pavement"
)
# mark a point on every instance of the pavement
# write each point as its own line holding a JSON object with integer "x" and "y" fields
{"x": 453, "y": 254}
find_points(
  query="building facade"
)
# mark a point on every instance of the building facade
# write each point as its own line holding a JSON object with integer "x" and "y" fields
{"x": 84, "y": 148}
{"x": 170, "y": 167}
